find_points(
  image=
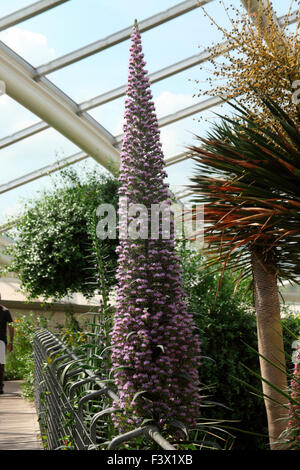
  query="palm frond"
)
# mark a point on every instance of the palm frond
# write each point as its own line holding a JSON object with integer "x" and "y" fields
{"x": 248, "y": 179}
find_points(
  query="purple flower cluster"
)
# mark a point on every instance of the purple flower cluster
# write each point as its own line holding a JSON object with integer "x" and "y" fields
{"x": 156, "y": 352}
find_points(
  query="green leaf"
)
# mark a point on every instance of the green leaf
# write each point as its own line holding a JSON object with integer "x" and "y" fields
{"x": 178, "y": 424}
{"x": 137, "y": 394}
{"x": 185, "y": 375}
{"x": 130, "y": 334}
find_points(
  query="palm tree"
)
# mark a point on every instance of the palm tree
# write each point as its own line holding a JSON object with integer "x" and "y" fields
{"x": 249, "y": 180}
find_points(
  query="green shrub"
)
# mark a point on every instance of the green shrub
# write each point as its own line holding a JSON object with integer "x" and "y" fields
{"x": 53, "y": 244}
{"x": 227, "y": 323}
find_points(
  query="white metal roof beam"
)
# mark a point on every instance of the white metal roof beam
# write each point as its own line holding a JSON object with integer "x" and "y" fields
{"x": 153, "y": 77}
{"x": 35, "y": 129}
{"x": 54, "y": 107}
{"x": 45, "y": 171}
{"x": 177, "y": 158}
{"x": 23, "y": 134}
{"x": 124, "y": 34}
{"x": 202, "y": 106}
{"x": 77, "y": 157}
{"x": 31, "y": 71}
{"x": 28, "y": 12}
{"x": 119, "y": 36}
{"x": 184, "y": 113}
{"x": 190, "y": 111}
{"x": 120, "y": 91}
{"x": 115, "y": 94}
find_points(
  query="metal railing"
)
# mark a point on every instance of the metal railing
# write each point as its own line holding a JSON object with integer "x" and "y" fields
{"x": 73, "y": 403}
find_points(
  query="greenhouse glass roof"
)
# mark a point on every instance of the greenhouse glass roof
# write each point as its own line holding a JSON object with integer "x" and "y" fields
{"x": 64, "y": 67}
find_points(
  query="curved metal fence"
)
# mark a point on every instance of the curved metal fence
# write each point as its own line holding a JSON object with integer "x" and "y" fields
{"x": 73, "y": 404}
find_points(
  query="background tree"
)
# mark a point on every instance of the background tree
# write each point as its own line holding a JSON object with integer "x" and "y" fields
{"x": 248, "y": 178}
{"x": 53, "y": 243}
{"x": 226, "y": 322}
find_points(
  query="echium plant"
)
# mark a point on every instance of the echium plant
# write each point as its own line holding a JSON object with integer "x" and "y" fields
{"x": 155, "y": 352}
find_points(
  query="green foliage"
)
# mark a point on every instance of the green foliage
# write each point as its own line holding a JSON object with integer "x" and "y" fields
{"x": 53, "y": 241}
{"x": 92, "y": 345}
{"x": 227, "y": 328}
{"x": 225, "y": 321}
{"x": 248, "y": 178}
{"x": 19, "y": 364}
{"x": 289, "y": 438}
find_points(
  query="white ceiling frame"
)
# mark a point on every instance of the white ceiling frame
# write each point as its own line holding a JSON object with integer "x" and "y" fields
{"x": 52, "y": 106}
{"x": 120, "y": 36}
{"x": 116, "y": 93}
{"x": 184, "y": 113}
{"x": 44, "y": 99}
{"x": 113, "y": 94}
{"x": 45, "y": 171}
{"x": 28, "y": 12}
{"x": 166, "y": 120}
{"x": 65, "y": 162}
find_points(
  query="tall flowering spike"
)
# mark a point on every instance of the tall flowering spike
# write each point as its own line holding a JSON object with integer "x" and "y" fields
{"x": 156, "y": 352}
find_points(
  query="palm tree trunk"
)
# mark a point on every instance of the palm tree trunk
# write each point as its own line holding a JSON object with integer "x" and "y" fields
{"x": 270, "y": 344}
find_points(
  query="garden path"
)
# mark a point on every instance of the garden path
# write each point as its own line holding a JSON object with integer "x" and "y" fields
{"x": 19, "y": 429}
